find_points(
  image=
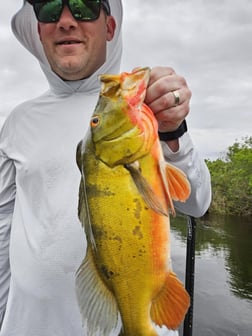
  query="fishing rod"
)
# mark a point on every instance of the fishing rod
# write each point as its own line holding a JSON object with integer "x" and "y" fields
{"x": 190, "y": 273}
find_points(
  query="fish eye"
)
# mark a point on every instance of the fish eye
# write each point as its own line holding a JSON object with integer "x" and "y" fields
{"x": 95, "y": 121}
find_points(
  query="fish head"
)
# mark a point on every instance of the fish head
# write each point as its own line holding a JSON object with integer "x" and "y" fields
{"x": 123, "y": 128}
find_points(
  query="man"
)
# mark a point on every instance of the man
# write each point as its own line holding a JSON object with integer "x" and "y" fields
{"x": 41, "y": 240}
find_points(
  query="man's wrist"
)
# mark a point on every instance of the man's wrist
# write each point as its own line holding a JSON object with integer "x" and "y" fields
{"x": 169, "y": 136}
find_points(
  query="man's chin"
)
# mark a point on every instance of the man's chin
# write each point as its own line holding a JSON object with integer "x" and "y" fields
{"x": 70, "y": 71}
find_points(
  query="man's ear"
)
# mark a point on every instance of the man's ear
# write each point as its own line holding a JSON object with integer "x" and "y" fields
{"x": 111, "y": 26}
{"x": 39, "y": 32}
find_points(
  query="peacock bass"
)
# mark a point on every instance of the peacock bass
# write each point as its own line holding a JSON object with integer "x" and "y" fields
{"x": 125, "y": 197}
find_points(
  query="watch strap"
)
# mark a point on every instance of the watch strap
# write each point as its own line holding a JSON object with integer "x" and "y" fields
{"x": 168, "y": 136}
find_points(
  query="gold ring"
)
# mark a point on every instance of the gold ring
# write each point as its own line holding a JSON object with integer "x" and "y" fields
{"x": 176, "y": 97}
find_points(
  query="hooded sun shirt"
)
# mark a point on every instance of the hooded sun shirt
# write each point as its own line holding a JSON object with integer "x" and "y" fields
{"x": 39, "y": 194}
{"x": 42, "y": 242}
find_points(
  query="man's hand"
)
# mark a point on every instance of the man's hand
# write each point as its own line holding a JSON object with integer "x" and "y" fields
{"x": 168, "y": 96}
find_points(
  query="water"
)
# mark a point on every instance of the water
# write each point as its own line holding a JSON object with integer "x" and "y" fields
{"x": 223, "y": 274}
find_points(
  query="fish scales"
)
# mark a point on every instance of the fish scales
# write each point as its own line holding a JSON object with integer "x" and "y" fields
{"x": 124, "y": 202}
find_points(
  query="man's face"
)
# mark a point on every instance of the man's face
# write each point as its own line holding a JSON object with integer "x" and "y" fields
{"x": 76, "y": 49}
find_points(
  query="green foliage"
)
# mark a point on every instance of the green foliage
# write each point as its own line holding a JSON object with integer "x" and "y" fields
{"x": 232, "y": 180}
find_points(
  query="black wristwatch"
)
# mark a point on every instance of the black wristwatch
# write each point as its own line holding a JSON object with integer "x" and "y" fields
{"x": 168, "y": 136}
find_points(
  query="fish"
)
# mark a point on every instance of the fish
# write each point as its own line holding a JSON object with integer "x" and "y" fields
{"x": 125, "y": 284}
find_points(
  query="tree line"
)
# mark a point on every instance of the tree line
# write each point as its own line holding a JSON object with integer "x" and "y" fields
{"x": 232, "y": 180}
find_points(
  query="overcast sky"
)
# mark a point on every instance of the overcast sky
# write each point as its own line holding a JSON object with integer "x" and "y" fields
{"x": 208, "y": 42}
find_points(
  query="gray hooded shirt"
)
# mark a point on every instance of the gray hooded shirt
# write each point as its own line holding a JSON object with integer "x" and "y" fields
{"x": 41, "y": 239}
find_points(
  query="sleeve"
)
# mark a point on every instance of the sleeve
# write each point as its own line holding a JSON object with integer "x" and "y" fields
{"x": 192, "y": 164}
{"x": 7, "y": 199}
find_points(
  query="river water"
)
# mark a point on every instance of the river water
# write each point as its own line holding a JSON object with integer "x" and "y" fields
{"x": 223, "y": 274}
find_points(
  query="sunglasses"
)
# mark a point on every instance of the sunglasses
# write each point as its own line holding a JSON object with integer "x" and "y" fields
{"x": 48, "y": 11}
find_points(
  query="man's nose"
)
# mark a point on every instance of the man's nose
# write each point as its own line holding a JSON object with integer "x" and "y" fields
{"x": 66, "y": 20}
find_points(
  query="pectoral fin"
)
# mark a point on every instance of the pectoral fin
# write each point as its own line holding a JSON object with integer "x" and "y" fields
{"x": 170, "y": 307}
{"x": 145, "y": 189}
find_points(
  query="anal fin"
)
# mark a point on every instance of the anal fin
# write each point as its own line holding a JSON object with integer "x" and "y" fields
{"x": 170, "y": 307}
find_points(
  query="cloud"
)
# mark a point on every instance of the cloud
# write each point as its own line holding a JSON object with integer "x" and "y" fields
{"x": 208, "y": 42}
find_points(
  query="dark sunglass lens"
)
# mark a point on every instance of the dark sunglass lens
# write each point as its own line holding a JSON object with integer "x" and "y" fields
{"x": 85, "y": 10}
{"x": 48, "y": 11}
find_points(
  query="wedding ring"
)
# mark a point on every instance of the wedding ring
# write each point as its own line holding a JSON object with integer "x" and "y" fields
{"x": 176, "y": 97}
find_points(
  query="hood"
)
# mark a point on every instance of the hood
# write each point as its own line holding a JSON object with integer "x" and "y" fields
{"x": 24, "y": 27}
